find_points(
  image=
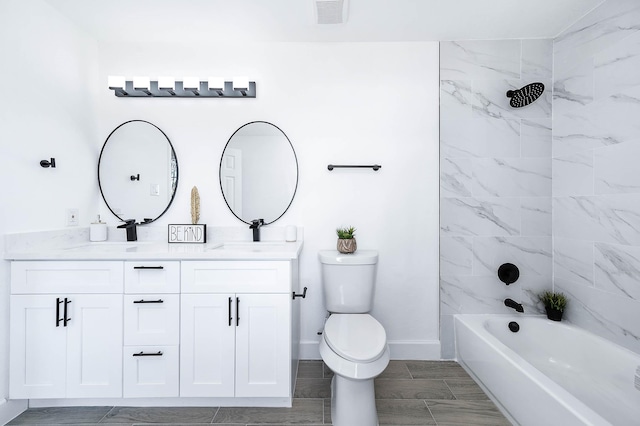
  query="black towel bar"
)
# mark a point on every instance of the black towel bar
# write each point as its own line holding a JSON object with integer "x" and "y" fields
{"x": 375, "y": 167}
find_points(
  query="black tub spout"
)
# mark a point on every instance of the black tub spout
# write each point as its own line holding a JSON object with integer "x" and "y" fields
{"x": 513, "y": 304}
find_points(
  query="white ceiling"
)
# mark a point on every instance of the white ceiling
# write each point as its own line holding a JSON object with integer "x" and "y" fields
{"x": 293, "y": 20}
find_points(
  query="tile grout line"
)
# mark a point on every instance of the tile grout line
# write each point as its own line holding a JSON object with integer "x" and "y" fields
{"x": 106, "y": 414}
{"x": 430, "y": 413}
{"x": 455, "y": 397}
{"x": 214, "y": 415}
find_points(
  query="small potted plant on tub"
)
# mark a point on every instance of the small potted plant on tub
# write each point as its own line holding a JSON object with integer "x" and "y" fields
{"x": 554, "y": 304}
{"x": 346, "y": 240}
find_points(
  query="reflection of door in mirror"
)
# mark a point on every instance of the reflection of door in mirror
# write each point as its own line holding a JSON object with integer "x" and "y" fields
{"x": 231, "y": 178}
{"x": 258, "y": 172}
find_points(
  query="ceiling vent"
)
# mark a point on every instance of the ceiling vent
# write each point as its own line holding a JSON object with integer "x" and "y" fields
{"x": 330, "y": 11}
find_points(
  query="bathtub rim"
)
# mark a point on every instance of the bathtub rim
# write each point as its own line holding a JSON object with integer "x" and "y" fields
{"x": 564, "y": 397}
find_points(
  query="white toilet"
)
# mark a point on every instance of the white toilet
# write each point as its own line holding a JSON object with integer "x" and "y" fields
{"x": 353, "y": 345}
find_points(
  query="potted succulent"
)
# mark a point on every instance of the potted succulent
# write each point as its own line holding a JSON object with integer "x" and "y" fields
{"x": 554, "y": 304}
{"x": 346, "y": 240}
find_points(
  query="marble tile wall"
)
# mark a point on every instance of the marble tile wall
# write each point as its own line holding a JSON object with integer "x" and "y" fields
{"x": 495, "y": 178}
{"x": 596, "y": 178}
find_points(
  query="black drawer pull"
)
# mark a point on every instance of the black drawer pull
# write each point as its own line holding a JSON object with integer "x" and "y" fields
{"x": 148, "y": 267}
{"x": 148, "y": 301}
{"x": 159, "y": 353}
{"x": 230, "y": 317}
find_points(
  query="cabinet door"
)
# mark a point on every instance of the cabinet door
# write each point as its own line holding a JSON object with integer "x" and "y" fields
{"x": 94, "y": 346}
{"x": 263, "y": 340}
{"x": 207, "y": 345}
{"x": 37, "y": 349}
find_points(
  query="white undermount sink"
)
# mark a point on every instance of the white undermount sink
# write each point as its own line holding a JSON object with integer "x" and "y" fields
{"x": 111, "y": 245}
{"x": 251, "y": 245}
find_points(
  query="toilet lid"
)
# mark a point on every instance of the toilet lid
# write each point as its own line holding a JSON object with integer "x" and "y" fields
{"x": 356, "y": 337}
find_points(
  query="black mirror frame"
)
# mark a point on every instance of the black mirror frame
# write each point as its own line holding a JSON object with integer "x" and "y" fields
{"x": 295, "y": 156}
{"x": 173, "y": 196}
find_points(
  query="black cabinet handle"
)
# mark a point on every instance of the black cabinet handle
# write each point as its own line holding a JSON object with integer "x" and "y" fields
{"x": 159, "y": 353}
{"x": 237, "y": 311}
{"x": 148, "y": 267}
{"x": 148, "y": 301}
{"x": 58, "y": 319}
{"x": 303, "y": 294}
{"x": 230, "y": 317}
{"x": 66, "y": 319}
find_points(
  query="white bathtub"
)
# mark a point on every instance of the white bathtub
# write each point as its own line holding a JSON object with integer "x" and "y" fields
{"x": 549, "y": 373}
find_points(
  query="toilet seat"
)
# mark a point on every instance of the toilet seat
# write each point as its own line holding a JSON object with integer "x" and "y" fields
{"x": 355, "y": 337}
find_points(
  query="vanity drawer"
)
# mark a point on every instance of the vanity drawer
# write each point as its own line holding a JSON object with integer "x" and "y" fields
{"x": 236, "y": 277}
{"x": 152, "y": 277}
{"x": 151, "y": 371}
{"x": 151, "y": 319}
{"x": 48, "y": 277}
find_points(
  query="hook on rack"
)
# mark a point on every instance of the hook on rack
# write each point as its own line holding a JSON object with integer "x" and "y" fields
{"x": 375, "y": 167}
{"x": 46, "y": 163}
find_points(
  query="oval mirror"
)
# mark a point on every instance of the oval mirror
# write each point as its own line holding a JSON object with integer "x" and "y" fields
{"x": 258, "y": 172}
{"x": 138, "y": 172}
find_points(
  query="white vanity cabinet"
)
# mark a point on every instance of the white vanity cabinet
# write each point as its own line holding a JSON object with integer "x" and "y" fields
{"x": 187, "y": 326}
{"x": 236, "y": 323}
{"x": 151, "y": 329}
{"x": 66, "y": 329}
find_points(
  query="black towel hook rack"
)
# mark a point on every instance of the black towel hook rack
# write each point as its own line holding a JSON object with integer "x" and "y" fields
{"x": 375, "y": 167}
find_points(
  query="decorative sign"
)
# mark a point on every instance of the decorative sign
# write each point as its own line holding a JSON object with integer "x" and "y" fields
{"x": 188, "y": 234}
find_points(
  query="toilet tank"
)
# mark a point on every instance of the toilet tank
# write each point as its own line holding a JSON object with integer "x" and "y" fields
{"x": 348, "y": 280}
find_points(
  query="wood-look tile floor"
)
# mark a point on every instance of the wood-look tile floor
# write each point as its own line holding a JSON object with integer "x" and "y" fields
{"x": 407, "y": 393}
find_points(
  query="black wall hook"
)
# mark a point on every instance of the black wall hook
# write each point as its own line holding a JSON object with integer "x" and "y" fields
{"x": 135, "y": 177}
{"x": 508, "y": 273}
{"x": 46, "y": 164}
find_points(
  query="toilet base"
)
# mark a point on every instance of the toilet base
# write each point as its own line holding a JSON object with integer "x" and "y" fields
{"x": 353, "y": 402}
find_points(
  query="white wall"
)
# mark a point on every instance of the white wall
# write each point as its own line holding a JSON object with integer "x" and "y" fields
{"x": 359, "y": 103}
{"x": 48, "y": 76}
{"x": 338, "y": 103}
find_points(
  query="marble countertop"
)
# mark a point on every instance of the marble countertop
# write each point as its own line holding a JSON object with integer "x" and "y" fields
{"x": 122, "y": 250}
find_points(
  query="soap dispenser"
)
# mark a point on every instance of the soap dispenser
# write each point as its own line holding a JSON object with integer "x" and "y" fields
{"x": 98, "y": 230}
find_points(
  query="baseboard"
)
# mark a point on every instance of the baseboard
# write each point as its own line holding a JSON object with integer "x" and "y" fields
{"x": 415, "y": 349}
{"x": 9, "y": 410}
{"x": 400, "y": 349}
{"x": 309, "y": 349}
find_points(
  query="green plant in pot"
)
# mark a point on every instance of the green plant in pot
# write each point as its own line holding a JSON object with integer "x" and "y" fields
{"x": 346, "y": 240}
{"x": 554, "y": 304}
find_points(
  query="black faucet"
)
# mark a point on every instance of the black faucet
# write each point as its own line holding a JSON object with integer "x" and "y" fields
{"x": 130, "y": 226}
{"x": 255, "y": 225}
{"x": 513, "y": 304}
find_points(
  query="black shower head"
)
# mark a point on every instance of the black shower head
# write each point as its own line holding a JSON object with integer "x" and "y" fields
{"x": 526, "y": 95}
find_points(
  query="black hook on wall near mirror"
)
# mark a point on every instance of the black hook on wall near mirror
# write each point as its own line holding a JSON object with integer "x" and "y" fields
{"x": 135, "y": 177}
{"x": 46, "y": 164}
{"x": 508, "y": 273}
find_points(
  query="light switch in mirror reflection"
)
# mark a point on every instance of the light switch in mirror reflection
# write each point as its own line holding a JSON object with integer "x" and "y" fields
{"x": 258, "y": 172}
{"x": 137, "y": 171}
